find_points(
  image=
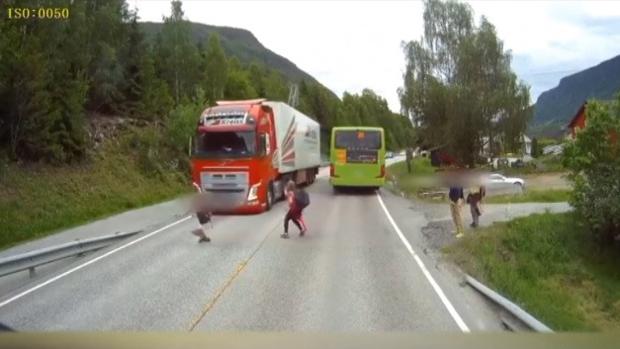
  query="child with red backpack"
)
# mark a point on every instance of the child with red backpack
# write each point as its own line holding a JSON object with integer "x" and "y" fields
{"x": 297, "y": 201}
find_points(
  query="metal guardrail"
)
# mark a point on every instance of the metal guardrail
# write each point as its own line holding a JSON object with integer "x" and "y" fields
{"x": 31, "y": 260}
{"x": 514, "y": 309}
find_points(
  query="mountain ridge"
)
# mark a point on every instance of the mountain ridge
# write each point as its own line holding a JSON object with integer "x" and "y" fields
{"x": 240, "y": 43}
{"x": 555, "y": 107}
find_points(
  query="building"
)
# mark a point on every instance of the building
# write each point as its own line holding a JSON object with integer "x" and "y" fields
{"x": 578, "y": 121}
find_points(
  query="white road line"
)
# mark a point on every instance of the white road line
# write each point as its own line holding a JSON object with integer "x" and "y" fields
{"x": 446, "y": 302}
{"x": 109, "y": 253}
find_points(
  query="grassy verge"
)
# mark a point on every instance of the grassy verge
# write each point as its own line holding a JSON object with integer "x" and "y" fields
{"x": 37, "y": 201}
{"x": 553, "y": 195}
{"x": 549, "y": 264}
{"x": 416, "y": 181}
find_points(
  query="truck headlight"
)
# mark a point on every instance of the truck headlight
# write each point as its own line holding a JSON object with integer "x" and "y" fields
{"x": 253, "y": 194}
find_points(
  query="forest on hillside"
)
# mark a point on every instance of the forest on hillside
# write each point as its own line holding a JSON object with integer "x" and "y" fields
{"x": 57, "y": 75}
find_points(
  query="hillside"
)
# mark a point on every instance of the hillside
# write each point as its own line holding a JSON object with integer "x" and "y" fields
{"x": 240, "y": 43}
{"x": 555, "y": 107}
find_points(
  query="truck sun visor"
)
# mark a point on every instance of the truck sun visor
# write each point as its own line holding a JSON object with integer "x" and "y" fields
{"x": 226, "y": 118}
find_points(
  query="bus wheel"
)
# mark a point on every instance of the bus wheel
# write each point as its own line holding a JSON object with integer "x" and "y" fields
{"x": 269, "y": 196}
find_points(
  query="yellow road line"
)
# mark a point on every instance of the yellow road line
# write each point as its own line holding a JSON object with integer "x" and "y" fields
{"x": 227, "y": 284}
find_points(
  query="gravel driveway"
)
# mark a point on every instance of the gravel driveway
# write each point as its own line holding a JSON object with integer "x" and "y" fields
{"x": 439, "y": 230}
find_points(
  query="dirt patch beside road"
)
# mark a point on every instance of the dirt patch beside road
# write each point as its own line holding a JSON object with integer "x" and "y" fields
{"x": 439, "y": 232}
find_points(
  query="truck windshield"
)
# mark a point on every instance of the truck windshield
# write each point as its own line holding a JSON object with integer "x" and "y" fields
{"x": 225, "y": 144}
{"x": 358, "y": 140}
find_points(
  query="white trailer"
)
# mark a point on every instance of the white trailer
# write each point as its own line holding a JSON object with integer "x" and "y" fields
{"x": 298, "y": 139}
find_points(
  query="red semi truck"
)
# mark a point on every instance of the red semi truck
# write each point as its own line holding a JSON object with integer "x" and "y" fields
{"x": 244, "y": 152}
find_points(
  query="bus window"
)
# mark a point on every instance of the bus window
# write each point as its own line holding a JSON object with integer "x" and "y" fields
{"x": 362, "y": 140}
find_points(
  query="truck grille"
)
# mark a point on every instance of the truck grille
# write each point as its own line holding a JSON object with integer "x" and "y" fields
{"x": 225, "y": 181}
{"x": 225, "y": 189}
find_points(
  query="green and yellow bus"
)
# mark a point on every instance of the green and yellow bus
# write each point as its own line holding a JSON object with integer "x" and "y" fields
{"x": 357, "y": 157}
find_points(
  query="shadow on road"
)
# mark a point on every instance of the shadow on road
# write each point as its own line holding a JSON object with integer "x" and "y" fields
{"x": 5, "y": 328}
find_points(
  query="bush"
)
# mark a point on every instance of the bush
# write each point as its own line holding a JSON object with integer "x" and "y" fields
{"x": 181, "y": 124}
{"x": 593, "y": 160}
{"x": 147, "y": 143}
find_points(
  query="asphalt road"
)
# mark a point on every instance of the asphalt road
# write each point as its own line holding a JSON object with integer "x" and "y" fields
{"x": 361, "y": 267}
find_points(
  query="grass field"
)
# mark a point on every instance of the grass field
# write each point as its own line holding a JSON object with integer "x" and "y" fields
{"x": 39, "y": 200}
{"x": 550, "y": 265}
{"x": 414, "y": 182}
{"x": 553, "y": 195}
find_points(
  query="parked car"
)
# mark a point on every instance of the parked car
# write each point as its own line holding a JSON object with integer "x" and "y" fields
{"x": 496, "y": 179}
{"x": 389, "y": 155}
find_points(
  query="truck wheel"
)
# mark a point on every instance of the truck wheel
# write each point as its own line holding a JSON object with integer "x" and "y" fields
{"x": 269, "y": 196}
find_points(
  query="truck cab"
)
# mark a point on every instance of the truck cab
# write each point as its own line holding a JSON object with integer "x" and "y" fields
{"x": 232, "y": 156}
{"x": 245, "y": 151}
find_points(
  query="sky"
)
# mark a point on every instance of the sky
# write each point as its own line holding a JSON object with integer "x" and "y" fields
{"x": 351, "y": 45}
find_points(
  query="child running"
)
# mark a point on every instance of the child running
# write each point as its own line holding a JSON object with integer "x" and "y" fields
{"x": 294, "y": 212}
{"x": 202, "y": 215}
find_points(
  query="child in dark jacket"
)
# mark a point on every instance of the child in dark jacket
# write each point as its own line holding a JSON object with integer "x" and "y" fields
{"x": 474, "y": 199}
{"x": 294, "y": 212}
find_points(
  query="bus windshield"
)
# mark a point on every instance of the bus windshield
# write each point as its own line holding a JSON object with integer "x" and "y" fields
{"x": 358, "y": 140}
{"x": 225, "y": 144}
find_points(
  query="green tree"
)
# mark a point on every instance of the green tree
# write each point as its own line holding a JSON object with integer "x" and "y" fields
{"x": 535, "y": 150}
{"x": 103, "y": 49}
{"x": 276, "y": 86}
{"x": 155, "y": 98}
{"x": 216, "y": 69}
{"x": 257, "y": 78}
{"x": 593, "y": 160}
{"x": 45, "y": 79}
{"x": 458, "y": 85}
{"x": 178, "y": 61}
{"x": 370, "y": 109}
{"x": 133, "y": 57}
{"x": 239, "y": 86}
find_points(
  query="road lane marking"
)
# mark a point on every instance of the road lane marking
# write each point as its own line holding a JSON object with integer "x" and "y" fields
{"x": 446, "y": 302}
{"x": 109, "y": 253}
{"x": 240, "y": 267}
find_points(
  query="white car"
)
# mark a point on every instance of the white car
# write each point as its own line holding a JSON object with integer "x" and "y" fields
{"x": 498, "y": 179}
